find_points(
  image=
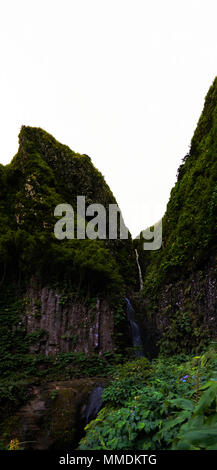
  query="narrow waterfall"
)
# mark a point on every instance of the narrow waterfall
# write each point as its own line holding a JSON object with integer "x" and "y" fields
{"x": 139, "y": 269}
{"x": 94, "y": 404}
{"x": 134, "y": 330}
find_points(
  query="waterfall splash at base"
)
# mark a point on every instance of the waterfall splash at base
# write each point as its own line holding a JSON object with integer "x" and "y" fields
{"x": 134, "y": 330}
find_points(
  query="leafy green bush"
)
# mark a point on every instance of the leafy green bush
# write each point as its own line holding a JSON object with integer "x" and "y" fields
{"x": 175, "y": 407}
{"x": 127, "y": 380}
{"x": 200, "y": 431}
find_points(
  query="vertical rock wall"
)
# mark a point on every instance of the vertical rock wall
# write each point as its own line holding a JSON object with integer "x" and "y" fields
{"x": 65, "y": 323}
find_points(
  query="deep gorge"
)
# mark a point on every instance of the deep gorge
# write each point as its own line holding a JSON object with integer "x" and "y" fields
{"x": 102, "y": 327}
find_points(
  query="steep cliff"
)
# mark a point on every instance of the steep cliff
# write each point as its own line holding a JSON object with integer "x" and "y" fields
{"x": 57, "y": 295}
{"x": 180, "y": 288}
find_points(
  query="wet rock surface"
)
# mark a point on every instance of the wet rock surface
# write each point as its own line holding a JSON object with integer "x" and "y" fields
{"x": 55, "y": 416}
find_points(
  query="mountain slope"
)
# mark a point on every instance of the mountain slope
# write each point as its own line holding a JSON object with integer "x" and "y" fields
{"x": 43, "y": 174}
{"x": 61, "y": 295}
{"x": 180, "y": 279}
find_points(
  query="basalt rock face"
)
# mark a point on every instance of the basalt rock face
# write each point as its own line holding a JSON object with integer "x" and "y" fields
{"x": 180, "y": 291}
{"x": 67, "y": 323}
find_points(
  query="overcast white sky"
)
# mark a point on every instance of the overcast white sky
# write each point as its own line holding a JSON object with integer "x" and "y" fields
{"x": 123, "y": 81}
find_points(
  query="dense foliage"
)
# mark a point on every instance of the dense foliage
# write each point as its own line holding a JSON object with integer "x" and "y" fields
{"x": 43, "y": 174}
{"x": 189, "y": 225}
{"x": 170, "y": 403}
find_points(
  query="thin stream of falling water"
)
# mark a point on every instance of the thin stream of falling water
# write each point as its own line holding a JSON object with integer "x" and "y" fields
{"x": 139, "y": 269}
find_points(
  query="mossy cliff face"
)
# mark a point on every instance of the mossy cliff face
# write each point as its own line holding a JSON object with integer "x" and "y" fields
{"x": 180, "y": 279}
{"x": 81, "y": 284}
{"x": 43, "y": 174}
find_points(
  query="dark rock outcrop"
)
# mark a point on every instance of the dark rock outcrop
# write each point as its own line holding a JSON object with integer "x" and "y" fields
{"x": 55, "y": 416}
{"x": 68, "y": 323}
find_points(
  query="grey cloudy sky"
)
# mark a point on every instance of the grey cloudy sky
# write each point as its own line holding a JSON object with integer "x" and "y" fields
{"x": 123, "y": 81}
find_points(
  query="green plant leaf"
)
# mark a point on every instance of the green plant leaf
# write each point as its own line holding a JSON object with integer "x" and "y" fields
{"x": 206, "y": 399}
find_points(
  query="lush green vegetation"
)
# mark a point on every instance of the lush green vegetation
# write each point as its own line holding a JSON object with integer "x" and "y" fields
{"x": 170, "y": 403}
{"x": 190, "y": 222}
{"x": 188, "y": 253}
{"x": 43, "y": 174}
